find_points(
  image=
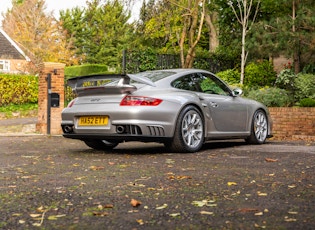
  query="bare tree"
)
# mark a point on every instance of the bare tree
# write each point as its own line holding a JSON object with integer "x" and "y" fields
{"x": 245, "y": 8}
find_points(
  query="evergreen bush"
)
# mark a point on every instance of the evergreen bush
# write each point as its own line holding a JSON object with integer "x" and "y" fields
{"x": 260, "y": 74}
{"x": 285, "y": 80}
{"x": 304, "y": 86}
{"x": 230, "y": 76}
{"x": 86, "y": 69}
{"x": 18, "y": 89}
{"x": 271, "y": 97}
{"x": 307, "y": 102}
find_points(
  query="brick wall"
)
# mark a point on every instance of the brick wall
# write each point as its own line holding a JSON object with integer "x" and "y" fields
{"x": 293, "y": 123}
{"x": 57, "y": 86}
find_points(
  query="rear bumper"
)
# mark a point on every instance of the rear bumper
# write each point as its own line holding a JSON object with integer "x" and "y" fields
{"x": 117, "y": 137}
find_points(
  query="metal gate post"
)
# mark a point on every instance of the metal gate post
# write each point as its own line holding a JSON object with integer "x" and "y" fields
{"x": 48, "y": 79}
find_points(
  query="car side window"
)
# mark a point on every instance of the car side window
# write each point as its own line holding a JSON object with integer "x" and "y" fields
{"x": 189, "y": 82}
{"x": 212, "y": 85}
{"x": 201, "y": 82}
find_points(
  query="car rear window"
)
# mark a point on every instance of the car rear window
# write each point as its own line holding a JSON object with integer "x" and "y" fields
{"x": 155, "y": 75}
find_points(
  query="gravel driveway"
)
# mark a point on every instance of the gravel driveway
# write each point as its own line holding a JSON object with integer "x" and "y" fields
{"x": 56, "y": 183}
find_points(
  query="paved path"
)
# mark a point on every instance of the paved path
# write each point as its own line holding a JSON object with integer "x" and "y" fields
{"x": 18, "y": 126}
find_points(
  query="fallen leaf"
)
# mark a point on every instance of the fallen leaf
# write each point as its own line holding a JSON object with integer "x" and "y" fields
{"x": 287, "y": 219}
{"x": 35, "y": 215}
{"x": 108, "y": 206}
{"x": 96, "y": 168}
{"x": 259, "y": 213}
{"x": 231, "y": 183}
{"x": 202, "y": 203}
{"x": 52, "y": 218}
{"x": 135, "y": 203}
{"x": 262, "y": 194}
{"x": 292, "y": 186}
{"x": 271, "y": 160}
{"x": 206, "y": 213}
{"x": 169, "y": 161}
{"x": 293, "y": 213}
{"x": 161, "y": 207}
{"x": 140, "y": 221}
{"x": 174, "y": 214}
{"x": 179, "y": 177}
{"x": 245, "y": 210}
{"x": 100, "y": 213}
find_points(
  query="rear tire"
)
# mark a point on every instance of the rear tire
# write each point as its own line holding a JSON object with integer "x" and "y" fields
{"x": 259, "y": 129}
{"x": 189, "y": 131}
{"x": 100, "y": 144}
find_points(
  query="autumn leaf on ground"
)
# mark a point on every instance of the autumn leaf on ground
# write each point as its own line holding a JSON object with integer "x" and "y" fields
{"x": 261, "y": 193}
{"x": 55, "y": 217}
{"x": 206, "y": 213}
{"x": 161, "y": 207}
{"x": 140, "y": 221}
{"x": 174, "y": 214}
{"x": 35, "y": 215}
{"x": 135, "y": 203}
{"x": 271, "y": 160}
{"x": 96, "y": 168}
{"x": 259, "y": 213}
{"x": 231, "y": 183}
{"x": 100, "y": 213}
{"x": 287, "y": 219}
{"x": 202, "y": 203}
{"x": 245, "y": 210}
{"x": 172, "y": 177}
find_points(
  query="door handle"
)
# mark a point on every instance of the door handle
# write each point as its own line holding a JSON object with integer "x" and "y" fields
{"x": 213, "y": 104}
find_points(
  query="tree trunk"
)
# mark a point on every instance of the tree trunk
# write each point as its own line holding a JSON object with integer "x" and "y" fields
{"x": 243, "y": 56}
{"x": 296, "y": 54}
{"x": 191, "y": 20}
{"x": 213, "y": 32}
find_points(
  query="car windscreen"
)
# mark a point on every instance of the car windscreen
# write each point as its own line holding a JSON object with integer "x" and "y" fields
{"x": 155, "y": 75}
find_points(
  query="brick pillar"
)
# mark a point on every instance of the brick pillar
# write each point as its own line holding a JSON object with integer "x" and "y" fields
{"x": 57, "y": 86}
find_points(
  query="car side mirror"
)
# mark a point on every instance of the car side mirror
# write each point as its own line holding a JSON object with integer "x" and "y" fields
{"x": 237, "y": 92}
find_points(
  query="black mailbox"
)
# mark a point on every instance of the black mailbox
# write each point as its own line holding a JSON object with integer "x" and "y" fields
{"x": 55, "y": 99}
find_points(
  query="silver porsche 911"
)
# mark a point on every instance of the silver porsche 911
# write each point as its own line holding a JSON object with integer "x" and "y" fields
{"x": 181, "y": 108}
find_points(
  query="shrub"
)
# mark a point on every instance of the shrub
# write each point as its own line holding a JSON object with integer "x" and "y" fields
{"x": 83, "y": 70}
{"x": 285, "y": 80}
{"x": 259, "y": 74}
{"x": 230, "y": 76}
{"x": 304, "y": 86}
{"x": 307, "y": 102}
{"x": 18, "y": 89}
{"x": 271, "y": 97}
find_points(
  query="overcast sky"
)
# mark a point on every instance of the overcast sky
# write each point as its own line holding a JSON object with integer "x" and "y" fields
{"x": 57, "y": 5}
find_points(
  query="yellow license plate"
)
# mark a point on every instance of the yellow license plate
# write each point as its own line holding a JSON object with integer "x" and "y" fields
{"x": 93, "y": 121}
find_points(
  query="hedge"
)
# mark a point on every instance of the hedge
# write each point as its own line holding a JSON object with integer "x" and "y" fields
{"x": 18, "y": 89}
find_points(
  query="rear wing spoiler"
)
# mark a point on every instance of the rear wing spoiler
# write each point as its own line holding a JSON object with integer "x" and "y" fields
{"x": 106, "y": 84}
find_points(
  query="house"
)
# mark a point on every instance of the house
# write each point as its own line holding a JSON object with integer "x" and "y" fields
{"x": 12, "y": 58}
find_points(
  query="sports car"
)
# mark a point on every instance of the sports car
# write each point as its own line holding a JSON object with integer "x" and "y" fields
{"x": 181, "y": 108}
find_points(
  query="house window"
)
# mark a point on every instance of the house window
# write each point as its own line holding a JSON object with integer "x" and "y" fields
{"x": 4, "y": 65}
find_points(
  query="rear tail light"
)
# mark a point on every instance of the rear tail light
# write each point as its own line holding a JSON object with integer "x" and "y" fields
{"x": 71, "y": 103}
{"x": 140, "y": 101}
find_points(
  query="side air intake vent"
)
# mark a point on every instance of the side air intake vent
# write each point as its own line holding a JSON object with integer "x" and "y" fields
{"x": 156, "y": 131}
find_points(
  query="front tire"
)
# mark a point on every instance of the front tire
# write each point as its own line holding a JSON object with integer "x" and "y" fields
{"x": 259, "y": 129}
{"x": 189, "y": 131}
{"x": 100, "y": 144}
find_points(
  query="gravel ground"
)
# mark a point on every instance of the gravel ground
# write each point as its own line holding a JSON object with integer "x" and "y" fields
{"x": 57, "y": 183}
